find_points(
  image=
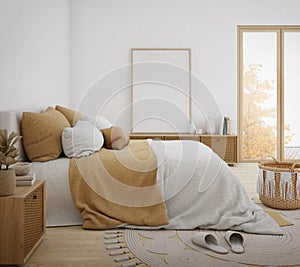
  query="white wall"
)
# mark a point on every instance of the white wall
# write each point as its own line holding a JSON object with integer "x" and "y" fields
{"x": 34, "y": 53}
{"x": 103, "y": 32}
{"x": 52, "y": 51}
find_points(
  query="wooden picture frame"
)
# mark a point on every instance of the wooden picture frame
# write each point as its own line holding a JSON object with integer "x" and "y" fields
{"x": 160, "y": 90}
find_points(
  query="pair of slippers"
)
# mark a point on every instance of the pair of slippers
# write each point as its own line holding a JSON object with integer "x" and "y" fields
{"x": 234, "y": 239}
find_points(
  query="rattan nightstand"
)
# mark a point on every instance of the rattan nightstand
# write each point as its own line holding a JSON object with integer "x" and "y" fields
{"x": 22, "y": 223}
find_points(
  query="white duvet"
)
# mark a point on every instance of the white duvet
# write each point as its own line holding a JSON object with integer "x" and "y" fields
{"x": 200, "y": 191}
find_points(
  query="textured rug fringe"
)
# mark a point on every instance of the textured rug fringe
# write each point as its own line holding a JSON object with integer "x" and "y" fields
{"x": 114, "y": 247}
{"x": 126, "y": 258}
{"x": 113, "y": 232}
{"x": 118, "y": 253}
{"x": 106, "y": 242}
{"x": 115, "y": 241}
{"x": 131, "y": 264}
{"x": 112, "y": 236}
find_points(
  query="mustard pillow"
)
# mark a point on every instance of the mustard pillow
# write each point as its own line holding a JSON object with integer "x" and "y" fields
{"x": 71, "y": 115}
{"x": 115, "y": 137}
{"x": 42, "y": 134}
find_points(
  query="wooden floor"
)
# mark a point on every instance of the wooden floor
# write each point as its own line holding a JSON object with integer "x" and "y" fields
{"x": 247, "y": 174}
{"x": 73, "y": 246}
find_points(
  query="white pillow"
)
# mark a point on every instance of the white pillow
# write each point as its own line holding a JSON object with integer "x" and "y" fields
{"x": 100, "y": 122}
{"x": 82, "y": 140}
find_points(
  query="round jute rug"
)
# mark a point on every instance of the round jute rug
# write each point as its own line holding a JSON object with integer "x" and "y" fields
{"x": 176, "y": 248}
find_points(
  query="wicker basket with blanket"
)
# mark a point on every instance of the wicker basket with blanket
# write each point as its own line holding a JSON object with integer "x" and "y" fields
{"x": 278, "y": 184}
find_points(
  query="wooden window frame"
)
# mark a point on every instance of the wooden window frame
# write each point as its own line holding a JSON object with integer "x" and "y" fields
{"x": 279, "y": 30}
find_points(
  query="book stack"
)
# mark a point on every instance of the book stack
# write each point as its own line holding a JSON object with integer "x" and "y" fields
{"x": 226, "y": 126}
{"x": 25, "y": 180}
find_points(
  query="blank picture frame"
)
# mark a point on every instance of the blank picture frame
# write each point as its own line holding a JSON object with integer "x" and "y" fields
{"x": 160, "y": 90}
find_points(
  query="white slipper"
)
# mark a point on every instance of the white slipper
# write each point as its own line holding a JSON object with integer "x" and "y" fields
{"x": 208, "y": 241}
{"x": 236, "y": 241}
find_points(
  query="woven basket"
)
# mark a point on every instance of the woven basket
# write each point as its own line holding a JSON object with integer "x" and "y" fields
{"x": 278, "y": 167}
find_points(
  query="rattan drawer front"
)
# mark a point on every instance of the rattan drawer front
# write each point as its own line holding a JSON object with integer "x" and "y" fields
{"x": 218, "y": 145}
{"x": 231, "y": 150}
{"x": 33, "y": 219}
{"x": 22, "y": 223}
{"x": 183, "y": 137}
{"x": 224, "y": 146}
{"x": 146, "y": 136}
{"x": 170, "y": 136}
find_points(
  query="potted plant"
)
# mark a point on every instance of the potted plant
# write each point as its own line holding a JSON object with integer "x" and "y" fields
{"x": 8, "y": 156}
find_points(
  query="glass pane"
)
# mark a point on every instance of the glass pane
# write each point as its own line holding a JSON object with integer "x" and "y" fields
{"x": 291, "y": 95}
{"x": 259, "y": 120}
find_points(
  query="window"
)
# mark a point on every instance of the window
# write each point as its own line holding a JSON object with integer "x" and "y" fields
{"x": 269, "y": 88}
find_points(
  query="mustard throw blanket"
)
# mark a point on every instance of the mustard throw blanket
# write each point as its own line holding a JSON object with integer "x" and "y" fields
{"x": 113, "y": 187}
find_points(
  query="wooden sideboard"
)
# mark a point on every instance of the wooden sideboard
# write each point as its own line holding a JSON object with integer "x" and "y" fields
{"x": 224, "y": 145}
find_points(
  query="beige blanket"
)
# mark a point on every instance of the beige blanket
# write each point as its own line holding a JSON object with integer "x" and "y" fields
{"x": 113, "y": 187}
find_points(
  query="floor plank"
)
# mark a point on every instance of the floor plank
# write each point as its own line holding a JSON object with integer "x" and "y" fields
{"x": 247, "y": 174}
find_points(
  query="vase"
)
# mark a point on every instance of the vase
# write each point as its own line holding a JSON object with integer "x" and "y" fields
{"x": 191, "y": 128}
{"x": 7, "y": 182}
{"x": 210, "y": 126}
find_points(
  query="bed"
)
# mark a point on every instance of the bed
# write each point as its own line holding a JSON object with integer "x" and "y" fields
{"x": 60, "y": 208}
{"x": 197, "y": 188}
